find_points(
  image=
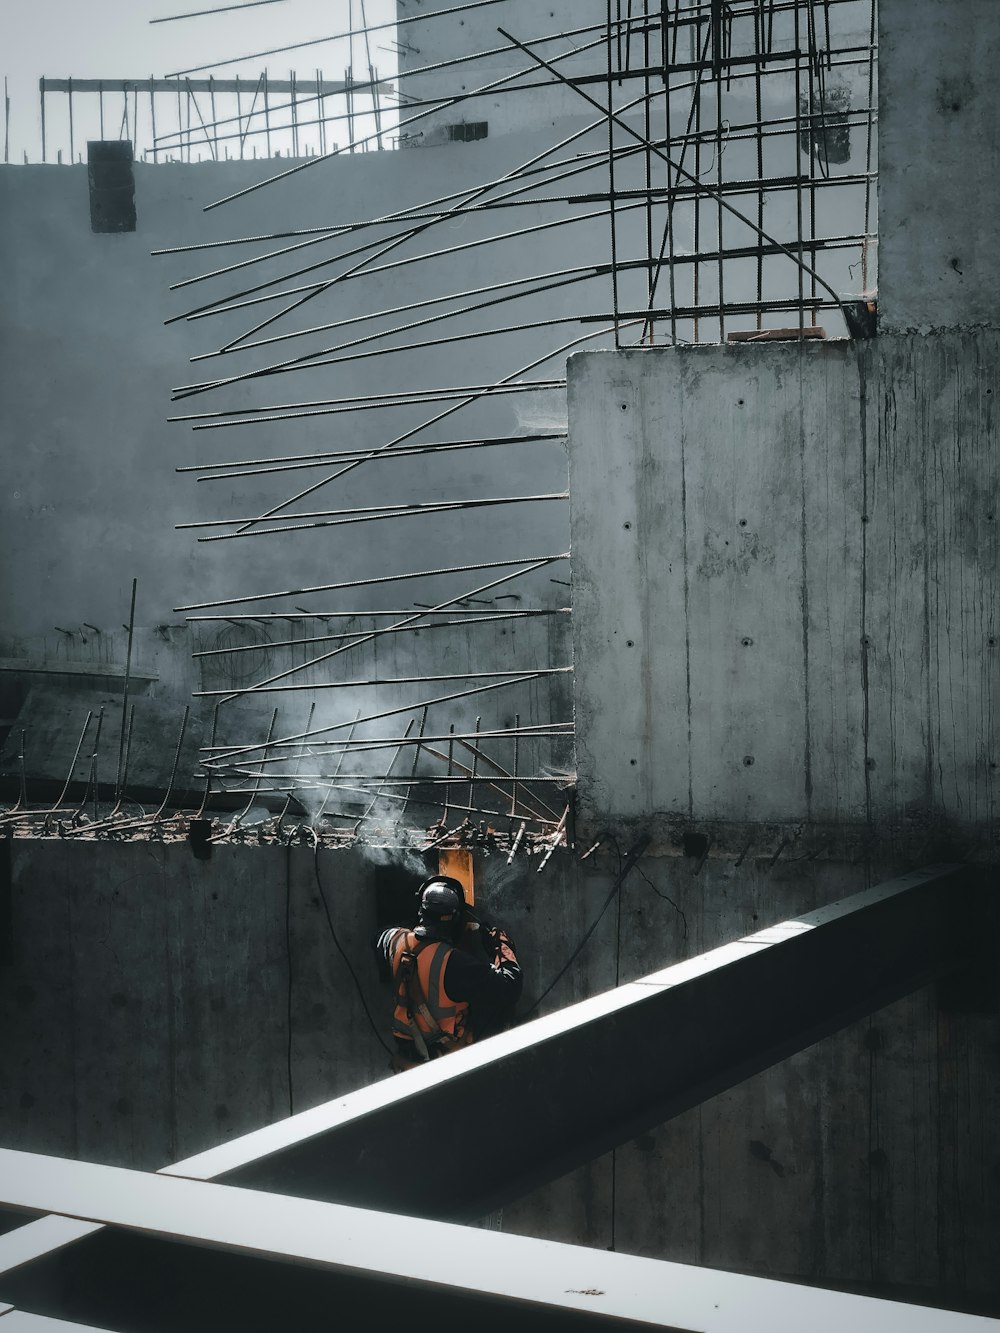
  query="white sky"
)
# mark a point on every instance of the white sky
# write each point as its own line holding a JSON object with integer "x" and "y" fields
{"x": 113, "y": 39}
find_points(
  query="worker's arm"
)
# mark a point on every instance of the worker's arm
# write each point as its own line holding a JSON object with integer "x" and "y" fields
{"x": 499, "y": 948}
{"x": 382, "y": 945}
{"x": 490, "y": 984}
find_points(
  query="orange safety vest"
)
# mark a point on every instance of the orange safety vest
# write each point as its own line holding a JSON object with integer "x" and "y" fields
{"x": 424, "y": 1014}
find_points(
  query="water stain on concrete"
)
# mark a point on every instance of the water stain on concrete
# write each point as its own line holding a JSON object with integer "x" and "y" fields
{"x": 763, "y": 1154}
{"x": 738, "y": 554}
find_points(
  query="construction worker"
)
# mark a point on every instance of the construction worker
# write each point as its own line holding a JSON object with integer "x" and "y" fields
{"x": 455, "y": 977}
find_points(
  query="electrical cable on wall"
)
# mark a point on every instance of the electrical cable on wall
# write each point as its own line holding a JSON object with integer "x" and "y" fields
{"x": 625, "y": 865}
{"x": 341, "y": 951}
{"x": 288, "y": 958}
{"x": 618, "y": 962}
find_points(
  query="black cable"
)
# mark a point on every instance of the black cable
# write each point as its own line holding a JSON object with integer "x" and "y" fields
{"x": 576, "y": 952}
{"x": 288, "y": 957}
{"x": 618, "y": 961}
{"x": 625, "y": 865}
{"x": 340, "y": 948}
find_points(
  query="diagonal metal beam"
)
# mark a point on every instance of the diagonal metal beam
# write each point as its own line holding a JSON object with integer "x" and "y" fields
{"x": 563, "y": 1089}
{"x": 556, "y": 1092}
{"x": 17, "y": 1321}
{"x": 202, "y": 1257}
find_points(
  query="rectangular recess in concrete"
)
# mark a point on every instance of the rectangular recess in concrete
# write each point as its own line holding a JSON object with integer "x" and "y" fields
{"x": 112, "y": 185}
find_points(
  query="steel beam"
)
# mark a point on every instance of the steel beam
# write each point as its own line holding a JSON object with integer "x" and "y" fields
{"x": 553, "y": 1093}
{"x": 556, "y": 1092}
{"x": 559, "y": 1091}
{"x": 17, "y": 1321}
{"x": 199, "y": 1256}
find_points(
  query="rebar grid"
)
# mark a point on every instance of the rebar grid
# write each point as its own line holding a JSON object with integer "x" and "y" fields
{"x": 760, "y": 213}
{"x": 722, "y": 171}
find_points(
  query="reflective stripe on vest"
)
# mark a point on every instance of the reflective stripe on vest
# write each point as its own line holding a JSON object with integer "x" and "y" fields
{"x": 432, "y": 958}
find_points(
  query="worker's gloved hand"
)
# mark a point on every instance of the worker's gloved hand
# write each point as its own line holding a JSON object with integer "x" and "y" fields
{"x": 498, "y": 944}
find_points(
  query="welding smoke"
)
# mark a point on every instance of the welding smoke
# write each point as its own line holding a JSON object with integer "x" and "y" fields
{"x": 539, "y": 412}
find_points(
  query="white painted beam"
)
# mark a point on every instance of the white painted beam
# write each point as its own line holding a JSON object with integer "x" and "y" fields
{"x": 403, "y": 1252}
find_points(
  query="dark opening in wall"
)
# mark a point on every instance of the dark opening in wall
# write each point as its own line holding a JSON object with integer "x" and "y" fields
{"x": 199, "y": 832}
{"x": 112, "y": 185}
{"x": 13, "y": 689}
{"x": 695, "y": 844}
{"x": 467, "y": 131}
{"x": 395, "y": 895}
{"x": 6, "y": 907}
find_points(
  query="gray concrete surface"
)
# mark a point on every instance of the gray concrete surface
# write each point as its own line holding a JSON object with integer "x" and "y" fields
{"x": 145, "y": 995}
{"x": 504, "y": 111}
{"x": 153, "y": 1005}
{"x": 938, "y": 162}
{"x": 93, "y": 496}
{"x": 783, "y": 558}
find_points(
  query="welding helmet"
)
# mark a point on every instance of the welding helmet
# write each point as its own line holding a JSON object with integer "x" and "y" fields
{"x": 441, "y": 898}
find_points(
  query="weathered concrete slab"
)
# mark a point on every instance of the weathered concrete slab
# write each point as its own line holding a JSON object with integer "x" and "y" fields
{"x": 218, "y": 947}
{"x": 557, "y": 1091}
{"x": 938, "y": 162}
{"x": 784, "y": 559}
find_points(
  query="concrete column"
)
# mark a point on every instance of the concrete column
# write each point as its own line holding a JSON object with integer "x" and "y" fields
{"x": 939, "y": 156}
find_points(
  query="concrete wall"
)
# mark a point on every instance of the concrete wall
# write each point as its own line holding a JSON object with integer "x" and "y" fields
{"x": 145, "y": 996}
{"x": 939, "y": 158}
{"x": 152, "y": 1005}
{"x": 504, "y": 110}
{"x": 788, "y": 587}
{"x": 785, "y": 560}
{"x": 89, "y": 366}
{"x": 93, "y": 496}
{"x": 785, "y": 632}
{"x": 51, "y": 710}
